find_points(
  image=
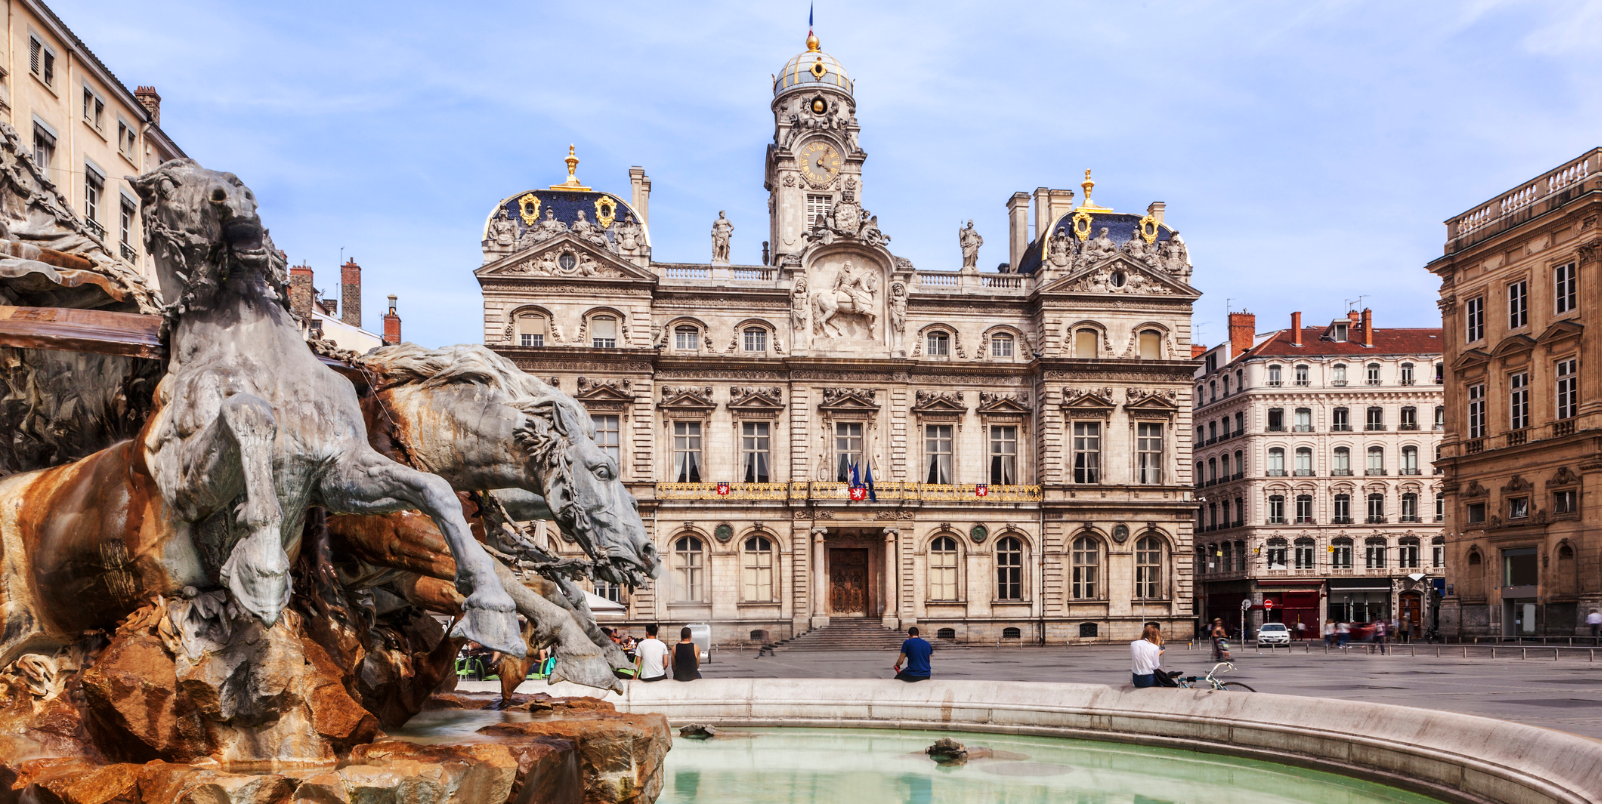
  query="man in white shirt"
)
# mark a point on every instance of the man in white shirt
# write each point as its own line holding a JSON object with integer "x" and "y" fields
{"x": 649, "y": 655}
{"x": 1145, "y": 657}
{"x": 1593, "y": 622}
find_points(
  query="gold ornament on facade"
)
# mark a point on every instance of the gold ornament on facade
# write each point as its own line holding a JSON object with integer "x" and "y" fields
{"x": 1083, "y": 213}
{"x": 1148, "y": 226}
{"x": 818, "y": 69}
{"x": 606, "y": 208}
{"x": 1082, "y": 222}
{"x": 573, "y": 181}
{"x": 529, "y": 209}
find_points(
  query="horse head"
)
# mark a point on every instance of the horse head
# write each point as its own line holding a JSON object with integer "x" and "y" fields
{"x": 584, "y": 491}
{"x": 199, "y": 223}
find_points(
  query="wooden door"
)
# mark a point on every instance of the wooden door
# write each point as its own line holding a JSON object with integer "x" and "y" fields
{"x": 849, "y": 581}
{"x": 1410, "y": 619}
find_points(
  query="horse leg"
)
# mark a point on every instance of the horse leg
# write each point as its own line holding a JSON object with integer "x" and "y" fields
{"x": 232, "y": 453}
{"x": 369, "y": 483}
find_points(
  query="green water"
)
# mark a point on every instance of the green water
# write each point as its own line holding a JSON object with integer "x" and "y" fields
{"x": 864, "y": 766}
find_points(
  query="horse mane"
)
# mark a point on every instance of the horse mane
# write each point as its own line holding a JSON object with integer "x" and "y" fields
{"x": 410, "y": 364}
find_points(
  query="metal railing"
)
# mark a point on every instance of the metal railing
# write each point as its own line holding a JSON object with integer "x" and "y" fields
{"x": 128, "y": 252}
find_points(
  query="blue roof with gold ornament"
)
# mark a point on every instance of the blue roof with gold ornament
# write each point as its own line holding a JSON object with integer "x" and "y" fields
{"x": 1087, "y": 221}
{"x": 564, "y": 202}
{"x": 811, "y": 70}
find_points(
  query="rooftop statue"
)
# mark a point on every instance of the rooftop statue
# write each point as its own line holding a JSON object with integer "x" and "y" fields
{"x": 970, "y": 241}
{"x": 722, "y": 229}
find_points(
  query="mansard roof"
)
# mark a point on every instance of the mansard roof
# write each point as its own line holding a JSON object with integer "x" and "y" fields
{"x": 565, "y": 204}
{"x": 1121, "y": 227}
{"x": 1393, "y": 341}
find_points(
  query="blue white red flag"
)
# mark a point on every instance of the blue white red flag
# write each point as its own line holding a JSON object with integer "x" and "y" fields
{"x": 868, "y": 480}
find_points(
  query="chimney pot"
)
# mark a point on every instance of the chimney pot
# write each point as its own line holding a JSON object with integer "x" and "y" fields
{"x": 301, "y": 291}
{"x": 1297, "y": 329}
{"x": 392, "y": 324}
{"x": 351, "y": 293}
{"x": 1018, "y": 228}
{"x": 148, "y": 98}
{"x": 1369, "y": 335}
{"x": 1241, "y": 332}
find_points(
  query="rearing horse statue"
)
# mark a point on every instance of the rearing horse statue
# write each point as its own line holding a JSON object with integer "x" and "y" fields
{"x": 249, "y": 430}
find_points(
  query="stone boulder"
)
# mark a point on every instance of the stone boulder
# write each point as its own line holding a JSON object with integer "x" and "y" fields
{"x": 77, "y": 781}
{"x": 620, "y": 755}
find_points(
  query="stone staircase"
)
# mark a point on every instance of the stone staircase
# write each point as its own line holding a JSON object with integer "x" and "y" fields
{"x": 847, "y": 633}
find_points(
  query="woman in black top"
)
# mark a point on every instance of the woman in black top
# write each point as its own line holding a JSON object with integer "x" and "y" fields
{"x": 686, "y": 658}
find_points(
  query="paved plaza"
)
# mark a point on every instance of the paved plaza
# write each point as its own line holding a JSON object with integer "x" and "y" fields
{"x": 1561, "y": 694}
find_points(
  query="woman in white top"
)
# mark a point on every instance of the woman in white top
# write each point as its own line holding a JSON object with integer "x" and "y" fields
{"x": 1145, "y": 655}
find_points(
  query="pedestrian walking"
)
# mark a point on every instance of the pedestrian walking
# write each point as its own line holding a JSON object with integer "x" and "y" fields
{"x": 1146, "y": 655}
{"x": 687, "y": 657}
{"x": 1381, "y": 635}
{"x": 1329, "y": 632}
{"x": 1594, "y": 620}
{"x": 1219, "y": 636}
{"x": 1343, "y": 629}
{"x": 916, "y": 653}
{"x": 649, "y": 655}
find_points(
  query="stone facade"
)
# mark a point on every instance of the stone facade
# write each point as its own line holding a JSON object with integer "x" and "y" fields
{"x": 1313, "y": 468}
{"x": 1520, "y": 284}
{"x": 745, "y": 400}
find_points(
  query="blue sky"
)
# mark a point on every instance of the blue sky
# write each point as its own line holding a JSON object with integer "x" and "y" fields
{"x": 1309, "y": 152}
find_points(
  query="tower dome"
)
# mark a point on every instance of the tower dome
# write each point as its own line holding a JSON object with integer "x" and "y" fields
{"x": 811, "y": 70}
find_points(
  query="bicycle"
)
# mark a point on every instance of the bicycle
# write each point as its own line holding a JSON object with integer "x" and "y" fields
{"x": 1187, "y": 681}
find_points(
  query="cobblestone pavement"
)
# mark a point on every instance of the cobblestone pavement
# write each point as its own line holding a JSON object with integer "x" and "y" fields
{"x": 1563, "y": 694}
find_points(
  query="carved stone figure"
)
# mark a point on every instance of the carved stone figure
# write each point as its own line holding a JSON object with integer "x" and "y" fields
{"x": 1099, "y": 247}
{"x": 899, "y": 307}
{"x": 630, "y": 237}
{"x": 546, "y": 229}
{"x": 1136, "y": 248}
{"x": 847, "y": 216}
{"x": 799, "y": 305}
{"x": 853, "y": 292}
{"x": 722, "y": 229}
{"x": 1175, "y": 259}
{"x": 1061, "y": 250}
{"x": 589, "y": 232}
{"x": 969, "y": 241}
{"x": 503, "y": 234}
{"x": 871, "y": 233}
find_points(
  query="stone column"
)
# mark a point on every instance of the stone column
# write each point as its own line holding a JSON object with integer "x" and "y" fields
{"x": 888, "y": 618}
{"x": 821, "y": 581}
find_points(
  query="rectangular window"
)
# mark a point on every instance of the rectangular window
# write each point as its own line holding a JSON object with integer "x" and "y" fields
{"x": 1341, "y": 509}
{"x": 1339, "y": 333}
{"x": 1474, "y": 320}
{"x": 125, "y": 222}
{"x": 1278, "y": 510}
{"x": 687, "y": 452}
{"x": 1005, "y": 455}
{"x": 41, "y": 61}
{"x": 1565, "y": 501}
{"x": 1519, "y": 507}
{"x": 755, "y": 340}
{"x": 1373, "y": 374}
{"x": 1437, "y": 550}
{"x": 848, "y": 449}
{"x": 1303, "y": 554}
{"x": 1339, "y": 420}
{"x": 1277, "y": 420}
{"x": 1302, "y": 421}
{"x": 1305, "y": 509}
{"x": 531, "y": 339}
{"x": 1375, "y": 555}
{"x": 1565, "y": 288}
{"x": 1478, "y": 411}
{"x": 1149, "y": 454}
{"x": 94, "y": 110}
{"x": 1520, "y": 566}
{"x": 1406, "y": 374}
{"x": 1374, "y": 419}
{"x": 1407, "y": 419}
{"x": 1565, "y": 389}
{"x": 1088, "y": 452}
{"x": 94, "y": 186}
{"x": 44, "y": 148}
{"x": 1300, "y": 375}
{"x": 1342, "y": 555}
{"x": 757, "y": 572}
{"x": 607, "y": 436}
{"x": 936, "y": 344}
{"x": 604, "y": 332}
{"x": 755, "y": 452}
{"x": 944, "y": 570}
{"x": 1519, "y": 397}
{"x": 1517, "y": 305}
{"x": 686, "y": 339}
{"x": 1476, "y": 513}
{"x": 938, "y": 453}
{"x": 1002, "y": 346}
{"x": 818, "y": 207}
{"x": 1409, "y": 508}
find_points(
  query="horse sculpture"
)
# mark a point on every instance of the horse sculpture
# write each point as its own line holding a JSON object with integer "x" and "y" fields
{"x": 853, "y": 292}
{"x": 249, "y": 430}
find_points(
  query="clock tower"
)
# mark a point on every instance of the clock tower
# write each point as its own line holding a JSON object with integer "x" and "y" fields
{"x": 814, "y": 160}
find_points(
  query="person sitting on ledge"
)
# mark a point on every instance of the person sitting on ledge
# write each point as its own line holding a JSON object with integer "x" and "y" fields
{"x": 1145, "y": 657}
{"x": 916, "y": 652}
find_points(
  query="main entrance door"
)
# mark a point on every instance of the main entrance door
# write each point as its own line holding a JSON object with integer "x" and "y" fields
{"x": 849, "y": 581}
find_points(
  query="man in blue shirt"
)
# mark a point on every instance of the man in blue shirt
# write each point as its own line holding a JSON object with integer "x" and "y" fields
{"x": 916, "y": 652}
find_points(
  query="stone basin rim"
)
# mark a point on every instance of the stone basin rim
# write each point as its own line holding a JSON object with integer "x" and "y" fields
{"x": 1455, "y": 757}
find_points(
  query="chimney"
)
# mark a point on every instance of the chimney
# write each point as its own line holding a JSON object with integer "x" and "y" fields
{"x": 1241, "y": 329}
{"x": 1369, "y": 337}
{"x": 640, "y": 190}
{"x": 1156, "y": 209}
{"x": 1062, "y": 203}
{"x": 1297, "y": 329}
{"x": 301, "y": 291}
{"x": 152, "y": 102}
{"x": 1353, "y": 318}
{"x": 1042, "y": 198}
{"x": 1018, "y": 228}
{"x": 392, "y": 324}
{"x": 351, "y": 293}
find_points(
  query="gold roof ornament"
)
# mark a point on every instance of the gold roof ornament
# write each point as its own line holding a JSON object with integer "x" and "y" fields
{"x": 813, "y": 43}
{"x": 573, "y": 182}
{"x": 1086, "y": 195}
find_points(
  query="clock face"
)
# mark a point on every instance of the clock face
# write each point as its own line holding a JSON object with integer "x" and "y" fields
{"x": 820, "y": 162}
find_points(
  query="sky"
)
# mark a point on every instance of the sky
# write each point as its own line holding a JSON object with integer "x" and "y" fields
{"x": 1308, "y": 151}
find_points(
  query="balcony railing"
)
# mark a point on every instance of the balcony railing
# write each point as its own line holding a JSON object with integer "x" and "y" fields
{"x": 1474, "y": 446}
{"x": 1407, "y": 381}
{"x": 1515, "y": 438}
{"x": 1409, "y": 471}
{"x": 1479, "y": 223}
{"x": 128, "y": 252}
{"x": 1342, "y": 473}
{"x": 1302, "y": 428}
{"x": 1373, "y": 427}
{"x": 1408, "y": 426}
{"x": 1372, "y": 382}
{"x": 1342, "y": 520}
{"x": 739, "y": 273}
{"x": 1408, "y": 518}
{"x": 1275, "y": 428}
{"x": 1564, "y": 427}
{"x": 1303, "y": 473}
{"x": 1237, "y": 476}
{"x": 826, "y": 491}
{"x": 95, "y": 228}
{"x": 1275, "y": 473}
{"x": 1276, "y": 520}
{"x": 1341, "y": 428}
{"x": 1274, "y": 383}
{"x": 1302, "y": 383}
{"x": 1375, "y": 520}
{"x": 1303, "y": 520}
{"x": 1375, "y": 472}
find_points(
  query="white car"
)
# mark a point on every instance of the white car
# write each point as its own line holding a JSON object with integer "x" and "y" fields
{"x": 1274, "y": 634}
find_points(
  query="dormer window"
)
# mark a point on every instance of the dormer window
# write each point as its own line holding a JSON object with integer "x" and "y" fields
{"x": 1002, "y": 346}
{"x": 755, "y": 339}
{"x": 603, "y": 330}
{"x": 1275, "y": 375}
{"x": 1149, "y": 345}
{"x": 531, "y": 330}
{"x": 1086, "y": 344}
{"x": 936, "y": 344}
{"x": 686, "y": 338}
{"x": 1339, "y": 332}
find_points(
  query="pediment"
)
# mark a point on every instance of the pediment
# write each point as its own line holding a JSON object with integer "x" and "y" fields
{"x": 1003, "y": 402}
{"x": 589, "y": 261}
{"x": 1156, "y": 401}
{"x": 687, "y": 397}
{"x": 939, "y": 402}
{"x": 756, "y": 399}
{"x": 1137, "y": 278}
{"x": 1560, "y": 331}
{"x": 1471, "y": 357}
{"x": 608, "y": 390}
{"x": 1513, "y": 345}
{"x": 848, "y": 400}
{"x": 1088, "y": 400}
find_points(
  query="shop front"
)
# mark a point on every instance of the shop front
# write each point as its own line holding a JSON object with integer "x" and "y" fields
{"x": 1295, "y": 602}
{"x": 1359, "y": 600}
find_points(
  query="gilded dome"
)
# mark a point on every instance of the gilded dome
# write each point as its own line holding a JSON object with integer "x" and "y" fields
{"x": 812, "y": 69}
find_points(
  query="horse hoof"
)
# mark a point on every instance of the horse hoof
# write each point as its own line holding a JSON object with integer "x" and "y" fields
{"x": 257, "y": 574}
{"x": 496, "y": 630}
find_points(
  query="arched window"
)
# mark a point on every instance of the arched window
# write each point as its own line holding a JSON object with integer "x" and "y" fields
{"x": 1083, "y": 562}
{"x": 1239, "y": 385}
{"x": 1002, "y": 345}
{"x": 1339, "y": 374}
{"x": 1010, "y": 569}
{"x": 1304, "y": 513}
{"x": 1275, "y": 554}
{"x": 757, "y": 569}
{"x": 1275, "y": 375}
{"x": 1277, "y": 465}
{"x": 1278, "y": 509}
{"x": 1213, "y": 391}
{"x": 1303, "y": 554}
{"x": 532, "y": 329}
{"x": 1086, "y": 344}
{"x": 1339, "y": 462}
{"x": 1213, "y": 432}
{"x": 1342, "y": 509}
{"x": 687, "y": 338}
{"x": 603, "y": 332}
{"x": 1374, "y": 461}
{"x": 1149, "y": 345}
{"x": 1437, "y": 544}
{"x": 754, "y": 339}
{"x": 1236, "y": 464}
{"x": 1241, "y": 556}
{"x": 1409, "y": 463}
{"x": 1213, "y": 476}
{"x": 1409, "y": 552}
{"x": 1375, "y": 419}
{"x": 1150, "y": 568}
{"x": 1409, "y": 507}
{"x": 1303, "y": 462}
{"x": 1300, "y": 375}
{"x": 1342, "y": 553}
{"x": 1437, "y": 517}
{"x": 1202, "y": 561}
{"x": 1406, "y": 374}
{"x": 944, "y": 568}
{"x": 1010, "y": 632}
{"x": 1302, "y": 420}
{"x": 1197, "y": 479}
{"x": 1437, "y": 419}
{"x": 1375, "y": 508}
{"x": 1226, "y": 556}
{"x": 1375, "y": 553}
{"x": 1373, "y": 374}
{"x": 946, "y": 633}
{"x": 936, "y": 343}
{"x": 688, "y": 568}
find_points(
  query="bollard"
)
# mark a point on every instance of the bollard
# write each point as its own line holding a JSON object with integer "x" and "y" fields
{"x": 1556, "y": 654}
{"x": 1522, "y": 653}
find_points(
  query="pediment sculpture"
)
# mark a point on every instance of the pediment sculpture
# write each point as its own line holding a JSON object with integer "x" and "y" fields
{"x": 757, "y": 396}
{"x": 688, "y": 395}
{"x": 612, "y": 387}
{"x": 939, "y": 401}
{"x": 859, "y": 397}
{"x": 1100, "y": 397}
{"x": 562, "y": 260}
{"x": 1004, "y": 401}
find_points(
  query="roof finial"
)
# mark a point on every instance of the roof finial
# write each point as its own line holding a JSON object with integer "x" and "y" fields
{"x": 573, "y": 181}
{"x": 813, "y": 41}
{"x": 1086, "y": 195}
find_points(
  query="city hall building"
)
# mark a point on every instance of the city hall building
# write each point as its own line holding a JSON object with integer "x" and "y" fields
{"x": 838, "y": 434}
